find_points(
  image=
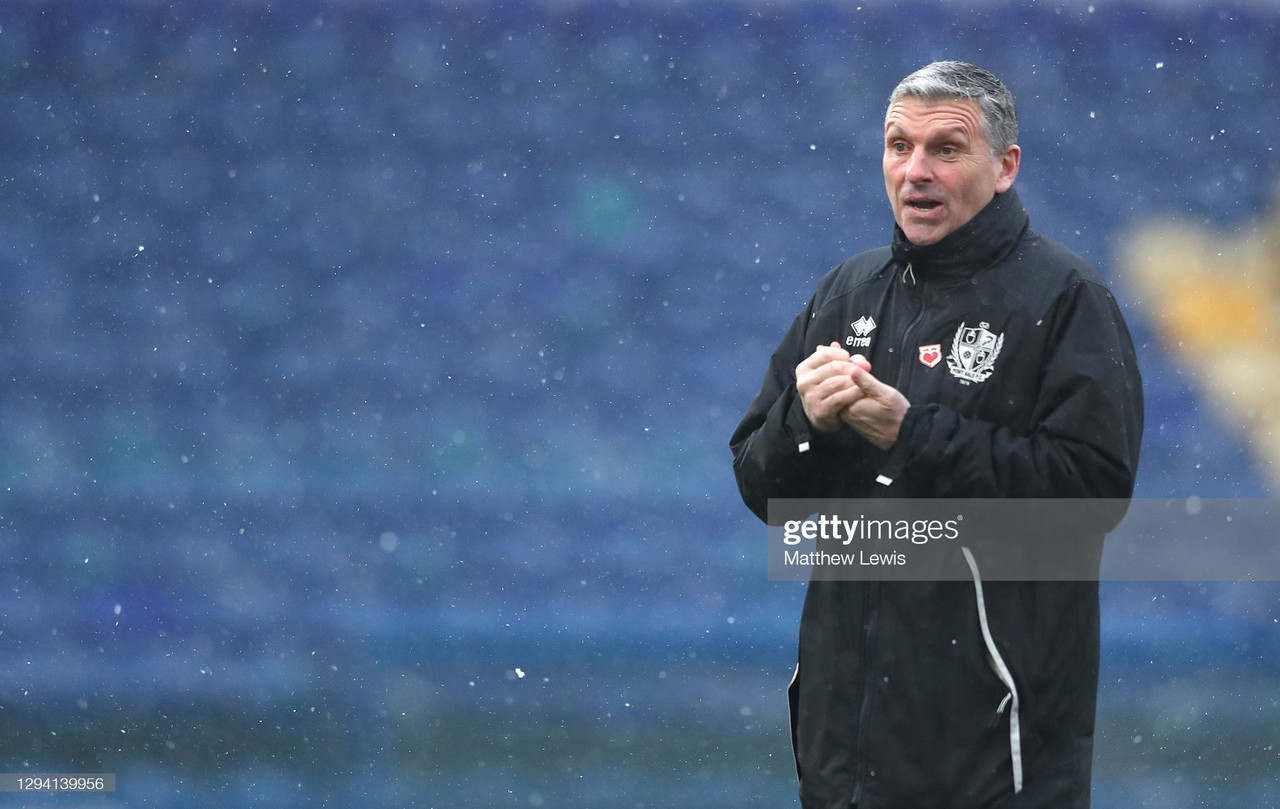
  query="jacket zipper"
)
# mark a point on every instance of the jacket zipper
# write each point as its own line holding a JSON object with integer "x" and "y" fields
{"x": 872, "y": 589}
{"x": 917, "y": 287}
{"x": 871, "y": 598}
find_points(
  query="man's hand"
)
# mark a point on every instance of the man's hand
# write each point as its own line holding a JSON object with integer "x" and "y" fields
{"x": 826, "y": 384}
{"x": 877, "y": 413}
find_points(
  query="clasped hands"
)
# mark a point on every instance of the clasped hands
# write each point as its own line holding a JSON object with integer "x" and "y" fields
{"x": 837, "y": 389}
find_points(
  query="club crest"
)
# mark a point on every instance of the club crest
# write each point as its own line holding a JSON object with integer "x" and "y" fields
{"x": 973, "y": 353}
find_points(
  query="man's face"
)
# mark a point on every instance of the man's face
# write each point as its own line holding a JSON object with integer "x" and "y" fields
{"x": 938, "y": 166}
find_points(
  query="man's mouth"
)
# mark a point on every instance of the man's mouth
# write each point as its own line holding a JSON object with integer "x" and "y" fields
{"x": 923, "y": 204}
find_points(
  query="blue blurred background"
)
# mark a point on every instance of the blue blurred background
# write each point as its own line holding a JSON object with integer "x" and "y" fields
{"x": 369, "y": 367}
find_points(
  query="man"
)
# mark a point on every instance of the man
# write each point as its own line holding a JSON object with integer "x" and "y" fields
{"x": 987, "y": 362}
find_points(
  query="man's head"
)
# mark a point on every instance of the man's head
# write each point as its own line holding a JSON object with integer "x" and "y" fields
{"x": 949, "y": 148}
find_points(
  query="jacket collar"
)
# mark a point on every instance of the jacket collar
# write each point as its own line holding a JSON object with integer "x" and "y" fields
{"x": 979, "y": 243}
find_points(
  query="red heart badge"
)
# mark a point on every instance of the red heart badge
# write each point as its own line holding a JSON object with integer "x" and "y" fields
{"x": 931, "y": 355}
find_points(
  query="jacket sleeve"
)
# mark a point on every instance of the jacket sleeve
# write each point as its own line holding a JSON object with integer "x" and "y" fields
{"x": 774, "y": 444}
{"x": 1085, "y": 429}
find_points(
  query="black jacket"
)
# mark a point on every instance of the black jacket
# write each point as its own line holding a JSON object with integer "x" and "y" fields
{"x": 1023, "y": 383}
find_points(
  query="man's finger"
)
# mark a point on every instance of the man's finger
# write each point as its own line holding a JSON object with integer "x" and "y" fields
{"x": 865, "y": 381}
{"x": 831, "y": 352}
{"x": 823, "y": 355}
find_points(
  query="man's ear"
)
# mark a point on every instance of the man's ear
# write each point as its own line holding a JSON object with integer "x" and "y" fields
{"x": 1007, "y": 168}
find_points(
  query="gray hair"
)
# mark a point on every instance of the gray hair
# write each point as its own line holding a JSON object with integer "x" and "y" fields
{"x": 955, "y": 81}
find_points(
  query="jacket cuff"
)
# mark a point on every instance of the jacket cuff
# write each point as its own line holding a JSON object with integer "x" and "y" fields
{"x": 895, "y": 463}
{"x": 803, "y": 437}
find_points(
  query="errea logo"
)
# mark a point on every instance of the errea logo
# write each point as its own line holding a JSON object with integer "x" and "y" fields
{"x": 862, "y": 328}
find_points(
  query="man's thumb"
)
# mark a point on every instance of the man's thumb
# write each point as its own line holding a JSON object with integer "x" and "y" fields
{"x": 865, "y": 381}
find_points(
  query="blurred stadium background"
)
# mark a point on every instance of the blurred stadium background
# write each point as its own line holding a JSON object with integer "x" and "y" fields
{"x": 369, "y": 369}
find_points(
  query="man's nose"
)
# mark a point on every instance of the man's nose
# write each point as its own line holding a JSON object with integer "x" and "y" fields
{"x": 919, "y": 166}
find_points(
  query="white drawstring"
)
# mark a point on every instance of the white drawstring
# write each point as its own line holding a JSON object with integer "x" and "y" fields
{"x": 1002, "y": 671}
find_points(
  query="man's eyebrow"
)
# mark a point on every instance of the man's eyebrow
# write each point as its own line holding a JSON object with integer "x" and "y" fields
{"x": 957, "y": 132}
{"x": 953, "y": 132}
